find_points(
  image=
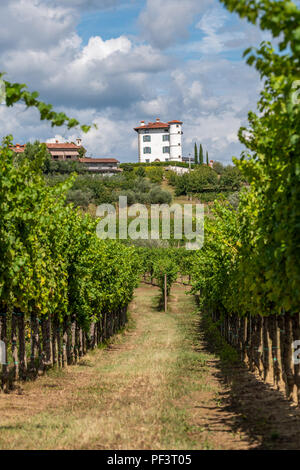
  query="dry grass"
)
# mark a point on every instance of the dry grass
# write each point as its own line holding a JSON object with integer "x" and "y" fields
{"x": 150, "y": 389}
{"x": 114, "y": 399}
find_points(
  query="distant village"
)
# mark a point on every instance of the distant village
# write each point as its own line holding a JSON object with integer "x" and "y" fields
{"x": 65, "y": 151}
{"x": 157, "y": 142}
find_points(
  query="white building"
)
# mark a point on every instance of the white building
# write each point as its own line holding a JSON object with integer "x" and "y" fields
{"x": 159, "y": 141}
{"x": 179, "y": 170}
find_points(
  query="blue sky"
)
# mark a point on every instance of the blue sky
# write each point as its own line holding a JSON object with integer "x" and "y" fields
{"x": 111, "y": 22}
{"x": 117, "y": 62}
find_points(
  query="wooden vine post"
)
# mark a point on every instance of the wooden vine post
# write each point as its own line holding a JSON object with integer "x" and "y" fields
{"x": 166, "y": 294}
{"x": 3, "y": 337}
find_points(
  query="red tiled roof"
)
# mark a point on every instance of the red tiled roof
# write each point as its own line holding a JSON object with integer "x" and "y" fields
{"x": 98, "y": 160}
{"x": 20, "y": 148}
{"x": 157, "y": 125}
{"x": 153, "y": 125}
{"x": 63, "y": 146}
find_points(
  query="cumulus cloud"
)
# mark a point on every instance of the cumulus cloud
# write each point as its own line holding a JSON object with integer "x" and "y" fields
{"x": 165, "y": 22}
{"x": 87, "y": 4}
{"x": 213, "y": 99}
{"x": 103, "y": 73}
{"x": 115, "y": 82}
{"x": 31, "y": 24}
{"x": 220, "y": 36}
{"x": 24, "y": 125}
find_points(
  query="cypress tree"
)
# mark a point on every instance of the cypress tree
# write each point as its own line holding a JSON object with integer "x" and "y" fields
{"x": 201, "y": 159}
{"x": 196, "y": 155}
{"x": 207, "y": 162}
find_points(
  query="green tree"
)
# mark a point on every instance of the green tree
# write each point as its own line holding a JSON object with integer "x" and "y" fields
{"x": 38, "y": 154}
{"x": 155, "y": 174}
{"x": 82, "y": 152}
{"x": 201, "y": 179}
{"x": 201, "y": 157}
{"x": 79, "y": 197}
{"x": 65, "y": 167}
{"x": 196, "y": 154}
{"x": 250, "y": 262}
{"x": 218, "y": 167}
{"x": 159, "y": 196}
{"x": 207, "y": 161}
{"x": 182, "y": 184}
{"x": 171, "y": 177}
{"x": 231, "y": 177}
{"x": 127, "y": 167}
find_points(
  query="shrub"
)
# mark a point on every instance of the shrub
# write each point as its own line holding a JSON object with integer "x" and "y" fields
{"x": 159, "y": 196}
{"x": 132, "y": 197}
{"x": 155, "y": 174}
{"x": 142, "y": 185}
{"x": 218, "y": 167}
{"x": 201, "y": 179}
{"x": 127, "y": 167}
{"x": 171, "y": 177}
{"x": 140, "y": 171}
{"x": 65, "y": 167}
{"x": 208, "y": 196}
{"x": 79, "y": 197}
{"x": 231, "y": 177}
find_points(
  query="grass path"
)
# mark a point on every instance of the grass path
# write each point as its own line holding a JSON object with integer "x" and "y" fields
{"x": 154, "y": 387}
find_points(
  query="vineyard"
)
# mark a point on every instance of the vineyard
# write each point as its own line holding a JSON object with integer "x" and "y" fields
{"x": 248, "y": 274}
{"x": 64, "y": 292}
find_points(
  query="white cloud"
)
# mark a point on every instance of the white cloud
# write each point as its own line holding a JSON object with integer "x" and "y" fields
{"x": 118, "y": 81}
{"x": 112, "y": 138}
{"x": 33, "y": 24}
{"x": 97, "y": 49}
{"x": 87, "y": 4}
{"x": 154, "y": 107}
{"x": 165, "y": 22}
{"x": 220, "y": 36}
{"x": 209, "y": 24}
{"x": 56, "y": 138}
{"x": 103, "y": 73}
{"x": 213, "y": 99}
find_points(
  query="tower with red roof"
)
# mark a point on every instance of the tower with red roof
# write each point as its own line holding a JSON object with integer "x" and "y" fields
{"x": 159, "y": 141}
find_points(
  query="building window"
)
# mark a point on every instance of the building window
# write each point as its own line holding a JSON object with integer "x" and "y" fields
{"x": 179, "y": 143}
{"x": 147, "y": 149}
{"x": 166, "y": 149}
{"x": 147, "y": 138}
{"x": 55, "y": 157}
{"x": 69, "y": 156}
{"x": 166, "y": 138}
{"x": 177, "y": 125}
{"x": 147, "y": 160}
{"x": 147, "y": 131}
